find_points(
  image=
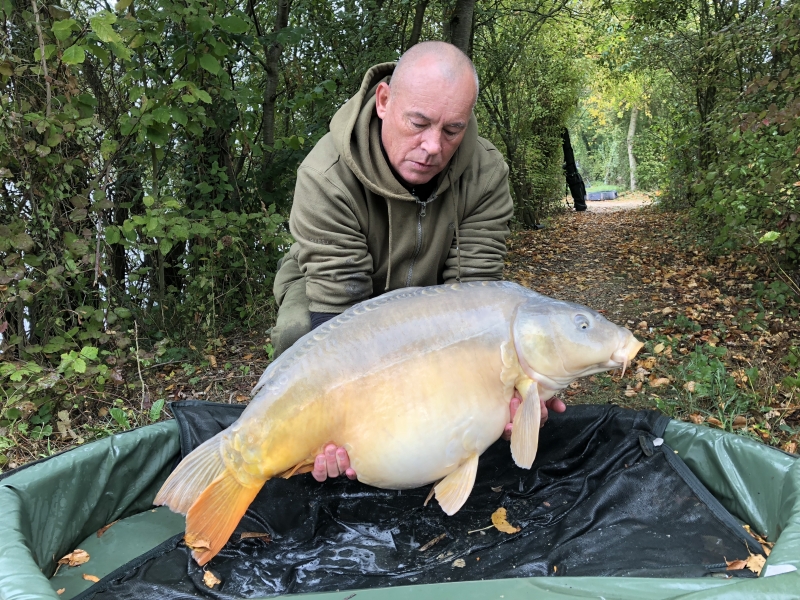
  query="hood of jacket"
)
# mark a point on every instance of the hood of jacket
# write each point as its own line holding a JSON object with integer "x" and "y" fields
{"x": 356, "y": 134}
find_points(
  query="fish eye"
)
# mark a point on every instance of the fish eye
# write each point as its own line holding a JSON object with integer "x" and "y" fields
{"x": 582, "y": 322}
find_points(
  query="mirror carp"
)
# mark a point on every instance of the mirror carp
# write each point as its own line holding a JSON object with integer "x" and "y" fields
{"x": 415, "y": 384}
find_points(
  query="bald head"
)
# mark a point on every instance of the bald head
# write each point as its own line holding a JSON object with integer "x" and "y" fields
{"x": 445, "y": 60}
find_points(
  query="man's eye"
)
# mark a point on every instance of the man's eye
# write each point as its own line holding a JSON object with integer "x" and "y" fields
{"x": 450, "y": 133}
{"x": 418, "y": 125}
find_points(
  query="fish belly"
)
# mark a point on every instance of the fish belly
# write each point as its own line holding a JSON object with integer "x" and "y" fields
{"x": 421, "y": 419}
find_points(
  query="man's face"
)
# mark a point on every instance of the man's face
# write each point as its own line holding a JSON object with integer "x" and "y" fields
{"x": 424, "y": 121}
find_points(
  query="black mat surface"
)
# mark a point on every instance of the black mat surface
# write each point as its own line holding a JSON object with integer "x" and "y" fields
{"x": 604, "y": 498}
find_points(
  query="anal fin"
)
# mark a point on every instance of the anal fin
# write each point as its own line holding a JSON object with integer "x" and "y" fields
{"x": 452, "y": 491}
{"x": 525, "y": 433}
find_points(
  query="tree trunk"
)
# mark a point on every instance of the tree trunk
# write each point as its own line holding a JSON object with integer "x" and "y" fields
{"x": 271, "y": 89}
{"x": 631, "y": 158}
{"x": 419, "y": 18}
{"x": 461, "y": 25}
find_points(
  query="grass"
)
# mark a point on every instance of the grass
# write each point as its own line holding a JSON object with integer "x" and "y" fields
{"x": 602, "y": 188}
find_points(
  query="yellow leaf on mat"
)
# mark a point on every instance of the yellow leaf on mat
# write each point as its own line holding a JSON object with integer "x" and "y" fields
{"x": 75, "y": 558}
{"x": 500, "y": 522}
{"x": 210, "y": 579}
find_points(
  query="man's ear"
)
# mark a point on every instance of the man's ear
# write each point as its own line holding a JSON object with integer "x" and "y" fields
{"x": 382, "y": 99}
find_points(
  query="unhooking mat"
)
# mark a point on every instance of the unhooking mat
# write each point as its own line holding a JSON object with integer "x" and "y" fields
{"x": 605, "y": 497}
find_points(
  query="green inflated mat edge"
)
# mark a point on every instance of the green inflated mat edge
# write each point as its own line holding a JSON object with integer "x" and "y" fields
{"x": 46, "y": 513}
{"x": 51, "y": 505}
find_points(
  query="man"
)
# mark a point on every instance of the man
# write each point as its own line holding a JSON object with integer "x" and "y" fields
{"x": 402, "y": 192}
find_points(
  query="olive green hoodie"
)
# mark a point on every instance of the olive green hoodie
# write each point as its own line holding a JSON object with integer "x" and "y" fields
{"x": 359, "y": 232}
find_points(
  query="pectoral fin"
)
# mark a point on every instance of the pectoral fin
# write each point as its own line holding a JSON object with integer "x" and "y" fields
{"x": 525, "y": 433}
{"x": 453, "y": 490}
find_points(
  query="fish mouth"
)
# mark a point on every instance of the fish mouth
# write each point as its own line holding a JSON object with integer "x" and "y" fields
{"x": 624, "y": 354}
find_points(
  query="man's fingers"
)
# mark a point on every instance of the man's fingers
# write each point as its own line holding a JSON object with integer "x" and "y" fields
{"x": 544, "y": 417}
{"x": 342, "y": 460}
{"x": 514, "y": 405}
{"x": 330, "y": 461}
{"x": 556, "y": 405}
{"x": 351, "y": 474}
{"x": 320, "y": 472}
{"x": 507, "y": 431}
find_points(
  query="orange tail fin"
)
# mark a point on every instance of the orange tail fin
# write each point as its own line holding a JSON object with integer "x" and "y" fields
{"x": 210, "y": 496}
{"x": 215, "y": 514}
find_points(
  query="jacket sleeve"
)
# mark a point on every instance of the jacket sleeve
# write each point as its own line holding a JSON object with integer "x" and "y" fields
{"x": 482, "y": 232}
{"x": 331, "y": 249}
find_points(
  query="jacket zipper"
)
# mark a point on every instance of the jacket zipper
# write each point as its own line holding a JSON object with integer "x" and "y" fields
{"x": 420, "y": 215}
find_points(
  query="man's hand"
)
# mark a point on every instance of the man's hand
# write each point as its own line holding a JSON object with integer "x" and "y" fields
{"x": 335, "y": 461}
{"x": 554, "y": 404}
{"x": 332, "y": 463}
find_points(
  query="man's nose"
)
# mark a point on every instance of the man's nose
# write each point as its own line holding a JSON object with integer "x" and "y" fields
{"x": 432, "y": 142}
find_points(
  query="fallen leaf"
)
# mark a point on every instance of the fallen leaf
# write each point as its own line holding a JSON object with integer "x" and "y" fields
{"x": 93, "y": 578}
{"x": 210, "y": 579}
{"x": 500, "y": 522}
{"x": 460, "y": 563}
{"x": 196, "y": 543}
{"x": 690, "y": 386}
{"x": 666, "y": 311}
{"x": 75, "y": 558}
{"x": 648, "y": 363}
{"x": 790, "y": 447}
{"x": 250, "y": 535}
{"x": 242, "y": 398}
{"x": 696, "y": 418}
{"x": 497, "y": 489}
{"x": 247, "y": 357}
{"x": 102, "y": 530}
{"x": 739, "y": 422}
{"x": 736, "y": 565}
{"x": 714, "y": 422}
{"x": 213, "y": 362}
{"x": 102, "y": 412}
{"x": 433, "y": 542}
{"x": 755, "y": 563}
{"x": 60, "y": 591}
{"x": 659, "y": 348}
{"x": 659, "y": 381}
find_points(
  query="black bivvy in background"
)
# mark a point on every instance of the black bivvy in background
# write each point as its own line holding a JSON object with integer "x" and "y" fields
{"x": 605, "y": 497}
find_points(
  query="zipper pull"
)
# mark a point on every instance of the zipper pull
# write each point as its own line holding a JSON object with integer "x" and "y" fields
{"x": 422, "y": 207}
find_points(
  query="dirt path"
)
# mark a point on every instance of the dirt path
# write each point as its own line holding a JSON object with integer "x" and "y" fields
{"x": 626, "y": 202}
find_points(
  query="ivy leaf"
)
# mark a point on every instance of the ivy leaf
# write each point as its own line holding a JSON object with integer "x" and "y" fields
{"x": 112, "y": 234}
{"x": 232, "y": 24}
{"x": 119, "y": 416}
{"x": 63, "y": 29}
{"x": 155, "y": 410}
{"x": 48, "y": 52}
{"x": 165, "y": 246}
{"x": 22, "y": 241}
{"x": 101, "y": 25}
{"x": 210, "y": 64}
{"x": 202, "y": 95}
{"x": 179, "y": 115}
{"x": 74, "y": 55}
{"x": 89, "y": 352}
{"x": 770, "y": 236}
